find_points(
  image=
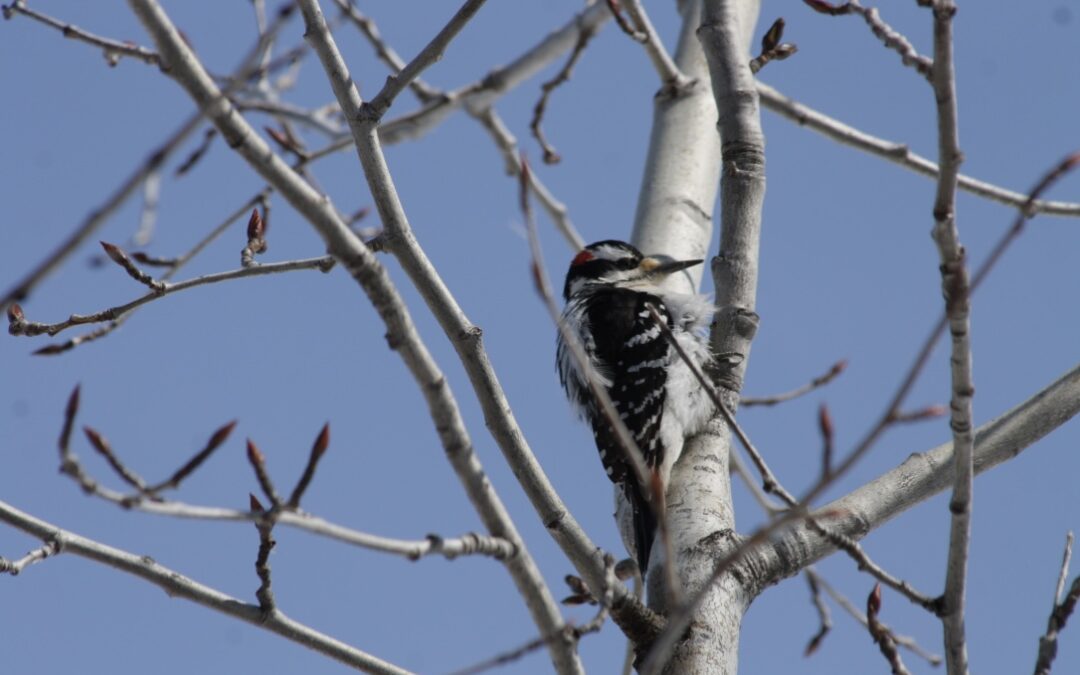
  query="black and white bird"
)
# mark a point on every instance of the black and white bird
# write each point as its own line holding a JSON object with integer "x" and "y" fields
{"x": 608, "y": 289}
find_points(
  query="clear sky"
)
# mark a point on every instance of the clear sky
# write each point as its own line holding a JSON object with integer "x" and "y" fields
{"x": 848, "y": 271}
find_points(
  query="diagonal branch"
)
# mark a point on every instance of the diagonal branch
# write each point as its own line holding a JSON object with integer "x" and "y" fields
{"x": 466, "y": 338}
{"x": 443, "y": 406}
{"x": 900, "y": 153}
{"x": 918, "y": 478}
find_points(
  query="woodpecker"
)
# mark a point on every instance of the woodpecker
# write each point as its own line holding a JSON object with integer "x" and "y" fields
{"x": 608, "y": 291}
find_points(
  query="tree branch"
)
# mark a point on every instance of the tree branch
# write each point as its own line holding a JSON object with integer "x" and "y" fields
{"x": 899, "y": 153}
{"x": 918, "y": 478}
{"x": 957, "y": 291}
{"x": 398, "y": 238}
{"x": 178, "y": 585}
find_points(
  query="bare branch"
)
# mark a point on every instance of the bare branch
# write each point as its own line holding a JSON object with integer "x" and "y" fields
{"x": 824, "y": 618}
{"x": 432, "y": 545}
{"x": 153, "y": 163}
{"x": 216, "y": 440}
{"x": 486, "y": 116}
{"x": 957, "y": 291}
{"x": 882, "y": 636}
{"x": 919, "y": 477}
{"x": 1063, "y": 609}
{"x": 112, "y": 49}
{"x": 550, "y": 156}
{"x": 258, "y": 462}
{"x": 98, "y": 216}
{"x": 118, "y": 256}
{"x": 442, "y": 405}
{"x": 197, "y": 154}
{"x": 178, "y": 585}
{"x": 15, "y": 567}
{"x": 624, "y": 25}
{"x": 431, "y": 53}
{"x": 888, "y": 35}
{"x": 507, "y": 144}
{"x": 771, "y": 485}
{"x": 674, "y": 80}
{"x": 817, "y": 382}
{"x": 424, "y": 92}
{"x": 846, "y": 604}
{"x": 318, "y": 449}
{"x": 900, "y": 154}
{"x": 32, "y": 328}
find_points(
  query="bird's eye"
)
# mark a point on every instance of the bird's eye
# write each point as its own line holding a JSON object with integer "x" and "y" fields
{"x": 627, "y": 263}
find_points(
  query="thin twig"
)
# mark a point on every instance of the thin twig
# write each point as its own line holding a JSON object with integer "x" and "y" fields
{"x": 546, "y": 89}
{"x": 882, "y": 636}
{"x": 888, "y": 35}
{"x": 424, "y": 92}
{"x": 112, "y": 49}
{"x": 839, "y": 598}
{"x": 486, "y": 116}
{"x": 197, "y": 154}
{"x": 507, "y": 145}
{"x": 431, "y": 53}
{"x": 179, "y": 585}
{"x": 318, "y": 449}
{"x": 258, "y": 463}
{"x": 634, "y": 33}
{"x": 217, "y": 439}
{"x": 121, "y": 258}
{"x": 1059, "y": 616}
{"x": 824, "y": 617}
{"x": 22, "y": 289}
{"x": 675, "y": 81}
{"x": 14, "y": 567}
{"x": 98, "y": 442}
{"x": 816, "y": 383}
{"x": 1066, "y": 558}
{"x": 432, "y": 545}
{"x": 32, "y": 328}
{"x": 899, "y": 153}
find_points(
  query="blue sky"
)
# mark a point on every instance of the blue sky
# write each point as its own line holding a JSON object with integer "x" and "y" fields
{"x": 848, "y": 271}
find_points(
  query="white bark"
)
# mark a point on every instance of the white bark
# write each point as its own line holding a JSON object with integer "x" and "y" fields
{"x": 682, "y": 170}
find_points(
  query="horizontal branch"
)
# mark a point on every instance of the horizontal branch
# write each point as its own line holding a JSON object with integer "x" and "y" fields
{"x": 178, "y": 585}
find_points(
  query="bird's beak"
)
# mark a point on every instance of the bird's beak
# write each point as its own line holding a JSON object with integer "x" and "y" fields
{"x": 659, "y": 268}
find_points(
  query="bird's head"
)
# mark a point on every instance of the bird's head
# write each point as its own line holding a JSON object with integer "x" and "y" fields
{"x": 617, "y": 263}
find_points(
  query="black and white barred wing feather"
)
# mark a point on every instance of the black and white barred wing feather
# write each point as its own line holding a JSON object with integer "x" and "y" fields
{"x": 632, "y": 357}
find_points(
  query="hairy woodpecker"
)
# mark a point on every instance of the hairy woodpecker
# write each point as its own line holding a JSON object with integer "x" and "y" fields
{"x": 608, "y": 289}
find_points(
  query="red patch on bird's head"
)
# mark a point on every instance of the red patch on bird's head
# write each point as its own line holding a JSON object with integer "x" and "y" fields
{"x": 581, "y": 258}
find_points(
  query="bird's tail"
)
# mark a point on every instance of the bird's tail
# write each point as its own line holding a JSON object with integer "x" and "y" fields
{"x": 644, "y": 521}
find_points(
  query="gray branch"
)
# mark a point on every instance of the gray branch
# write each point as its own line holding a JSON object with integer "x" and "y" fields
{"x": 178, "y": 585}
{"x": 918, "y": 478}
